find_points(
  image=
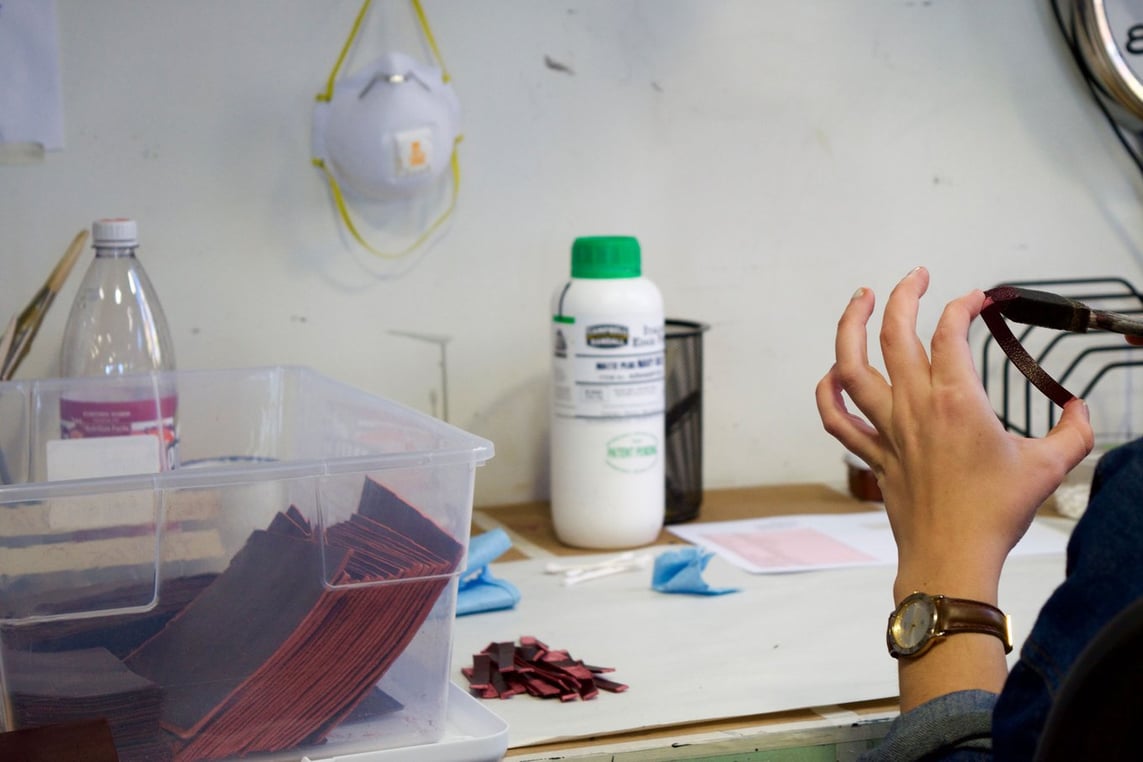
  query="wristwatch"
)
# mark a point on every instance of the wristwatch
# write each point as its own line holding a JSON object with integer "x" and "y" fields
{"x": 921, "y": 619}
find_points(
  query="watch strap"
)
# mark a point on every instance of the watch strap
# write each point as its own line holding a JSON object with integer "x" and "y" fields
{"x": 956, "y": 615}
{"x": 949, "y": 616}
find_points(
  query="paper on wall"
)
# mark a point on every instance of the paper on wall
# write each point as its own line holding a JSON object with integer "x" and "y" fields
{"x": 31, "y": 106}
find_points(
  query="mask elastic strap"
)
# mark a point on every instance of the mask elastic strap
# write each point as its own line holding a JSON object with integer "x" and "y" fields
{"x": 327, "y": 94}
{"x": 428, "y": 31}
{"x": 1012, "y": 347}
{"x": 454, "y": 163}
{"x": 343, "y": 210}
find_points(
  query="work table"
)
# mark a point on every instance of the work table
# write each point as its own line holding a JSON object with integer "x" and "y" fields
{"x": 791, "y": 661}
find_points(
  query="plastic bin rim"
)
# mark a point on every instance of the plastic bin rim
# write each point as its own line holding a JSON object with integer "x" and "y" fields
{"x": 465, "y": 448}
{"x": 198, "y": 478}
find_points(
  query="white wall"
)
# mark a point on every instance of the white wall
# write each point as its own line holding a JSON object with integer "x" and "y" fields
{"x": 770, "y": 155}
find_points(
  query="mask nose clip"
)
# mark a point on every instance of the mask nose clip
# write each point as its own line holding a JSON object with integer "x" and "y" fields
{"x": 392, "y": 79}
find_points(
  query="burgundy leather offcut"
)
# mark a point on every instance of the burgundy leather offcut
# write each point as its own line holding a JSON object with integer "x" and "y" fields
{"x": 504, "y": 669}
{"x": 83, "y": 741}
{"x": 993, "y": 300}
{"x": 66, "y": 690}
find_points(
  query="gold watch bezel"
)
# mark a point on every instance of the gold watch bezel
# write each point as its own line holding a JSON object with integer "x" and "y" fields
{"x": 920, "y": 620}
{"x": 899, "y": 644}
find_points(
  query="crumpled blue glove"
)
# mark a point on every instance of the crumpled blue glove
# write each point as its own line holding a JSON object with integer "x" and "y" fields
{"x": 680, "y": 571}
{"x": 479, "y": 590}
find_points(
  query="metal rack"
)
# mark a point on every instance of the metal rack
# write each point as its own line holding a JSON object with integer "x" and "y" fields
{"x": 1088, "y": 364}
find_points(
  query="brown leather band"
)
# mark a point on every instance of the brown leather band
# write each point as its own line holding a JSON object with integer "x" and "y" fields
{"x": 1023, "y": 361}
{"x": 955, "y": 615}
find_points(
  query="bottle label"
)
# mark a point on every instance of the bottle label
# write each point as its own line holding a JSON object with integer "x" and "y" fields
{"x": 607, "y": 368}
{"x": 81, "y": 419}
{"x": 633, "y": 452}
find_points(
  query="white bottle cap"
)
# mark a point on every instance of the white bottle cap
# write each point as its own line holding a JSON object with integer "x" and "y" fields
{"x": 119, "y": 232}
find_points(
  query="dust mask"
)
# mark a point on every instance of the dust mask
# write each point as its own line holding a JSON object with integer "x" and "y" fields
{"x": 389, "y": 130}
{"x": 385, "y": 136}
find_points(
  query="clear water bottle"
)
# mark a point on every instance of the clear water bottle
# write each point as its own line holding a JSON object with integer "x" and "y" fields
{"x": 607, "y": 421}
{"x": 117, "y": 330}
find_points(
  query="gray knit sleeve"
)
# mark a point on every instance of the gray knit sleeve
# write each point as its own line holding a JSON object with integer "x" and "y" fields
{"x": 956, "y": 726}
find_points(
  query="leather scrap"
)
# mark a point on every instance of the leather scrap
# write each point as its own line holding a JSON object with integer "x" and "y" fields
{"x": 994, "y": 301}
{"x": 80, "y": 741}
{"x": 505, "y": 669}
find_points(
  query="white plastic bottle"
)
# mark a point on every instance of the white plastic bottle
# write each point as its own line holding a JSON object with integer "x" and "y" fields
{"x": 116, "y": 328}
{"x": 607, "y": 426}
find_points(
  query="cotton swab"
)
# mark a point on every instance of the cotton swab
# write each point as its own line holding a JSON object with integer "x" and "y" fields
{"x": 639, "y": 562}
{"x": 572, "y": 569}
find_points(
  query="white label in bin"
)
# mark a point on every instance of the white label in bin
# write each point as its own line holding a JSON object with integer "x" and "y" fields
{"x": 103, "y": 456}
{"x": 93, "y": 458}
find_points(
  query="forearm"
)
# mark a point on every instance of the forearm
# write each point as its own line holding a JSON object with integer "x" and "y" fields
{"x": 965, "y": 661}
{"x": 959, "y": 489}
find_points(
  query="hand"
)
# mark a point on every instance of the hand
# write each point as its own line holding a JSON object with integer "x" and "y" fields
{"x": 959, "y": 490}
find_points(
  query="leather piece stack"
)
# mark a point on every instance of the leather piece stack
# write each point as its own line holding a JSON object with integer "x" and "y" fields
{"x": 268, "y": 657}
{"x": 83, "y": 741}
{"x": 59, "y": 689}
{"x": 503, "y": 670}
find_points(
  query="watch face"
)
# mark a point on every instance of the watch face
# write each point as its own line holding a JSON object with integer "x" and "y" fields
{"x": 913, "y": 622}
{"x": 1121, "y": 27}
{"x": 1108, "y": 36}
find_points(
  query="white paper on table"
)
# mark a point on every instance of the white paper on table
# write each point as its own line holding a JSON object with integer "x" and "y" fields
{"x": 31, "y": 106}
{"x": 825, "y": 541}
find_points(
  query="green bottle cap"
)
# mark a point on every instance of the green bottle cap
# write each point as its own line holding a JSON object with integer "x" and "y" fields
{"x": 615, "y": 256}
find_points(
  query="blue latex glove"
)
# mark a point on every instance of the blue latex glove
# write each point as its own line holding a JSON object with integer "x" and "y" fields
{"x": 479, "y": 590}
{"x": 680, "y": 571}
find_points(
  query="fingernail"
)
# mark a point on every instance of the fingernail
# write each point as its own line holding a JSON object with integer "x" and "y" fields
{"x": 857, "y": 294}
{"x": 915, "y": 270}
{"x": 1084, "y": 410}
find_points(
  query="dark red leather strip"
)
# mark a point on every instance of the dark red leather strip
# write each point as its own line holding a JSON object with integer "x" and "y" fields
{"x": 1012, "y": 347}
{"x": 504, "y": 669}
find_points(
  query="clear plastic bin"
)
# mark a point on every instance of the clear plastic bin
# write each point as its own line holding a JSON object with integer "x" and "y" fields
{"x": 291, "y": 585}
